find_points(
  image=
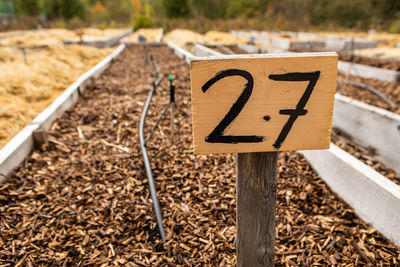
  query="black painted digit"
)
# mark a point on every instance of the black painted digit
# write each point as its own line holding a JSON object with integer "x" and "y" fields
{"x": 217, "y": 135}
{"x": 312, "y": 77}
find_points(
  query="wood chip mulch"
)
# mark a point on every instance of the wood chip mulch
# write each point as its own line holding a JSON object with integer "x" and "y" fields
{"x": 389, "y": 89}
{"x": 83, "y": 199}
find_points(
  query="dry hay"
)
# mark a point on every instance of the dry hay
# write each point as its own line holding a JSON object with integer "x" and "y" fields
{"x": 39, "y": 38}
{"x": 150, "y": 35}
{"x": 92, "y": 34}
{"x": 183, "y": 38}
{"x": 51, "y": 37}
{"x": 26, "y": 88}
{"x": 219, "y": 38}
{"x": 186, "y": 38}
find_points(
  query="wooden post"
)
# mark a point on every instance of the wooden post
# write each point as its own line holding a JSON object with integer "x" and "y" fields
{"x": 256, "y": 205}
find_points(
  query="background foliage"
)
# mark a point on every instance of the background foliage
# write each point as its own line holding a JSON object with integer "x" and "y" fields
{"x": 271, "y": 14}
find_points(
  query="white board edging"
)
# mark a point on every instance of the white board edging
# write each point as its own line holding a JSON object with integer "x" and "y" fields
{"x": 288, "y": 44}
{"x": 203, "y": 51}
{"x": 370, "y": 127}
{"x": 181, "y": 53}
{"x": 15, "y": 151}
{"x": 365, "y": 71}
{"x": 348, "y": 43}
{"x": 160, "y": 36}
{"x": 374, "y": 198}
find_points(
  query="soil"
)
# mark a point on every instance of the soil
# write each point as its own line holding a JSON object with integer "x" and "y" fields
{"x": 83, "y": 198}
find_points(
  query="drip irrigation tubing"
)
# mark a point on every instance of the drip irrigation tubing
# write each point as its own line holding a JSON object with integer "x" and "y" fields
{"x": 369, "y": 88}
{"x": 143, "y": 142}
{"x": 157, "y": 122}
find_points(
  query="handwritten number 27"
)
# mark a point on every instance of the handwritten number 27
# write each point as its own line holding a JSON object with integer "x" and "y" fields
{"x": 217, "y": 135}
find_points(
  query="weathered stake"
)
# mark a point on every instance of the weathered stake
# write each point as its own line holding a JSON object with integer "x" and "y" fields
{"x": 256, "y": 204}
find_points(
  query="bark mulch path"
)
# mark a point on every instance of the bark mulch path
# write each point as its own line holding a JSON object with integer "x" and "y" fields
{"x": 83, "y": 200}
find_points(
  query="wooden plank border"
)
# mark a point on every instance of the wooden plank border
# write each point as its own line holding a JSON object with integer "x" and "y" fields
{"x": 375, "y": 198}
{"x": 203, "y": 51}
{"x": 371, "y": 127}
{"x": 180, "y": 52}
{"x": 15, "y": 151}
{"x": 160, "y": 36}
{"x": 369, "y": 72}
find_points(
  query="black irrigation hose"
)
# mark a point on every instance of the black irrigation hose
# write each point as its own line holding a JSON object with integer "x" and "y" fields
{"x": 152, "y": 187}
{"x": 369, "y": 88}
{"x": 157, "y": 122}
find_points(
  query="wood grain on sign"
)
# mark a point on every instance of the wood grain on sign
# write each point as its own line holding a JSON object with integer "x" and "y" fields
{"x": 255, "y": 103}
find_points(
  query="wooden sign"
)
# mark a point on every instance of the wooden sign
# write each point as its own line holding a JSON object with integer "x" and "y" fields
{"x": 255, "y": 103}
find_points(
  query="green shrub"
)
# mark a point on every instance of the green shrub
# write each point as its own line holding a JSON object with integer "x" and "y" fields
{"x": 176, "y": 8}
{"x": 142, "y": 21}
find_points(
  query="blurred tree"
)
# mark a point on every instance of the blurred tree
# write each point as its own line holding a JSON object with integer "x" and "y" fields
{"x": 26, "y": 7}
{"x": 119, "y": 10}
{"x": 98, "y": 12}
{"x": 176, "y": 8}
{"x": 343, "y": 13}
{"x": 210, "y": 8}
{"x": 66, "y": 9}
{"x": 137, "y": 6}
{"x": 248, "y": 8}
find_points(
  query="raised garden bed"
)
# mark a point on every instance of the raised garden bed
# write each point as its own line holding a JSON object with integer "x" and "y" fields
{"x": 32, "y": 81}
{"x": 14, "y": 152}
{"x": 83, "y": 199}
